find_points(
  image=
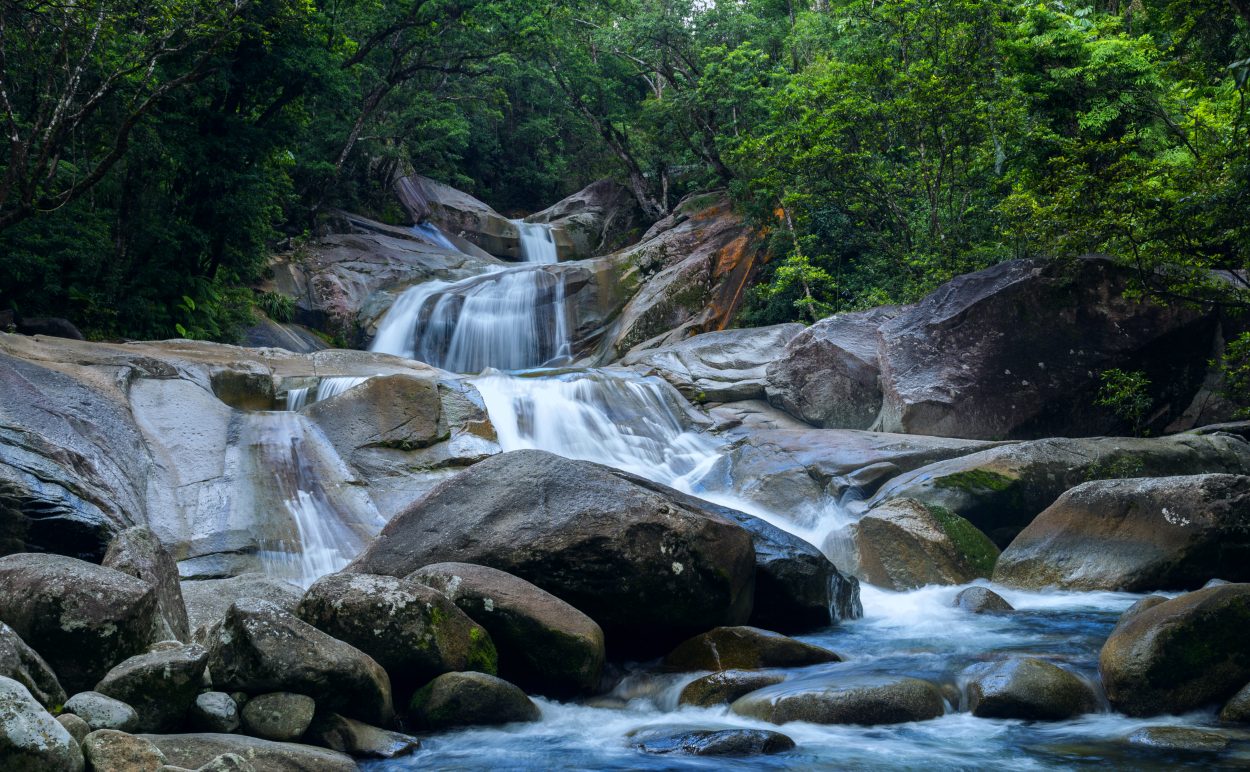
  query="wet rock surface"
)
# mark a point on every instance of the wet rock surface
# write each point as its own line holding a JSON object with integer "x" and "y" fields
{"x": 1030, "y": 689}
{"x": 902, "y": 544}
{"x": 725, "y": 686}
{"x": 1181, "y": 654}
{"x": 981, "y": 600}
{"x": 1135, "y": 535}
{"x": 647, "y": 569}
{"x": 712, "y": 742}
{"x": 735, "y": 648}
{"x": 860, "y": 700}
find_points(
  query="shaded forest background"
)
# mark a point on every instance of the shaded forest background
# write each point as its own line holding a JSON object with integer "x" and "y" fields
{"x": 156, "y": 153}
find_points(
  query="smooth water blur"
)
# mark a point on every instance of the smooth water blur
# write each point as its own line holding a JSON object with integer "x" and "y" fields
{"x": 433, "y": 234}
{"x": 914, "y": 634}
{"x": 510, "y": 319}
{"x": 311, "y": 518}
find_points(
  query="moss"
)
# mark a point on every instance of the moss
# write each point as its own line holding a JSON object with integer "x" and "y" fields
{"x": 976, "y": 480}
{"x": 973, "y": 545}
{"x": 482, "y": 654}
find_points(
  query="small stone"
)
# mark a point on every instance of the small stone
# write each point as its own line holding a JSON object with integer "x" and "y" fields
{"x": 1178, "y": 738}
{"x": 725, "y": 687}
{"x": 980, "y": 600}
{"x": 102, "y": 712}
{"x": 161, "y": 685}
{"x": 108, "y": 750}
{"x": 280, "y": 716}
{"x": 215, "y": 712}
{"x": 77, "y": 728}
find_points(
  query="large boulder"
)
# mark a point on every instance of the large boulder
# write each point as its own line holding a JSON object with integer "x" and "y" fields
{"x": 31, "y": 740}
{"x": 1135, "y": 535}
{"x": 647, "y": 569}
{"x": 137, "y": 551}
{"x": 80, "y": 617}
{"x": 903, "y": 544}
{"x": 260, "y": 648}
{"x": 160, "y": 685}
{"x": 544, "y": 644}
{"x": 192, "y": 751}
{"x": 797, "y": 588}
{"x": 1030, "y": 689}
{"x": 1237, "y": 709}
{"x": 1181, "y": 654}
{"x": 208, "y": 600}
{"x": 24, "y": 665}
{"x": 856, "y": 700}
{"x": 1016, "y": 351}
{"x": 745, "y": 648}
{"x": 470, "y": 699}
{"x": 695, "y": 264}
{"x": 981, "y": 600}
{"x": 1002, "y": 489}
{"x": 829, "y": 374}
{"x": 721, "y": 366}
{"x": 600, "y": 217}
{"x": 411, "y": 630}
{"x": 462, "y": 215}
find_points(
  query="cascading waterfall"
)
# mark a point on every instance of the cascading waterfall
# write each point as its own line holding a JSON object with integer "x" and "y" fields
{"x": 638, "y": 424}
{"x": 432, "y": 233}
{"x": 510, "y": 319}
{"x": 293, "y": 469}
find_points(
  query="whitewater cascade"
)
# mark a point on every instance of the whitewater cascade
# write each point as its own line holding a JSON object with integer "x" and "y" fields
{"x": 510, "y": 319}
{"x": 291, "y": 468}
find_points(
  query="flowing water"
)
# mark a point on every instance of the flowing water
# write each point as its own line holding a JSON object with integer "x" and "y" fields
{"x": 504, "y": 324}
{"x": 292, "y": 469}
{"x": 510, "y": 319}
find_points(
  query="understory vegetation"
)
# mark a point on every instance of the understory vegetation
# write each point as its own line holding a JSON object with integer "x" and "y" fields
{"x": 156, "y": 152}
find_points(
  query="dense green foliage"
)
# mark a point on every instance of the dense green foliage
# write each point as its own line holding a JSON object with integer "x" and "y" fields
{"x": 159, "y": 150}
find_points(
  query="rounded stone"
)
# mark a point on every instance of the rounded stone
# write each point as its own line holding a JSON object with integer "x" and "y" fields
{"x": 725, "y": 687}
{"x": 77, "y": 728}
{"x": 1237, "y": 709}
{"x": 470, "y": 699}
{"x": 102, "y": 712}
{"x": 981, "y": 600}
{"x": 1029, "y": 689}
{"x": 280, "y": 716}
{"x": 30, "y": 739}
{"x": 745, "y": 648}
{"x": 215, "y": 712}
{"x": 867, "y": 700}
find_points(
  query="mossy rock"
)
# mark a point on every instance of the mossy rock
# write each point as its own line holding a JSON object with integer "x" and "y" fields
{"x": 469, "y": 699}
{"x": 1181, "y": 654}
{"x": 903, "y": 543}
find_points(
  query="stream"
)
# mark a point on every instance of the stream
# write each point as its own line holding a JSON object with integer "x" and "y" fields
{"x": 507, "y": 330}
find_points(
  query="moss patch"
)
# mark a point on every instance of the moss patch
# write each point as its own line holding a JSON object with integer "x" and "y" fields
{"x": 482, "y": 654}
{"x": 976, "y": 480}
{"x": 975, "y": 547}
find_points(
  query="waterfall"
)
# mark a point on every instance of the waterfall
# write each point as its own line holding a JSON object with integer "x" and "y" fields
{"x": 292, "y": 470}
{"x": 538, "y": 244}
{"x": 511, "y": 319}
{"x": 638, "y": 424}
{"x": 332, "y": 386}
{"x": 428, "y": 231}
